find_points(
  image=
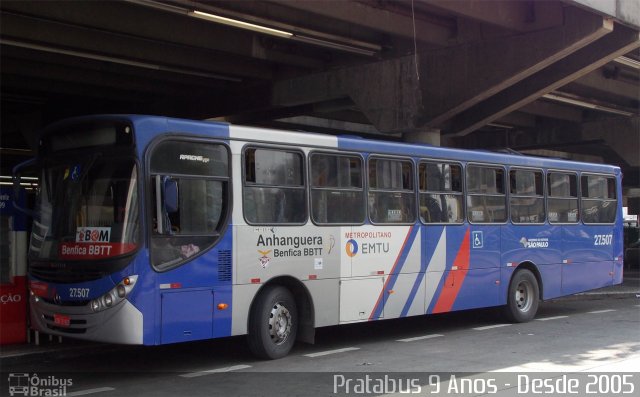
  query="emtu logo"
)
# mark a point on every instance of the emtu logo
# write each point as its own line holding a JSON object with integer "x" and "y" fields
{"x": 352, "y": 248}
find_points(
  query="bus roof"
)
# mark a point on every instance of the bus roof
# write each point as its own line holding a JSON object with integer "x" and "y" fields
{"x": 148, "y": 127}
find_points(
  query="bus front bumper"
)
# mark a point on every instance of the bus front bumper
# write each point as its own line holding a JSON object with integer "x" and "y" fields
{"x": 121, "y": 323}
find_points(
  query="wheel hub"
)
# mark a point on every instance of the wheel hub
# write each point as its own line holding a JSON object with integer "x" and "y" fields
{"x": 523, "y": 296}
{"x": 279, "y": 323}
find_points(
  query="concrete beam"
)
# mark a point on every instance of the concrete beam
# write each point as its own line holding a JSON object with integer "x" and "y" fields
{"x": 457, "y": 78}
{"x": 382, "y": 19}
{"x": 578, "y": 64}
{"x": 622, "y": 135}
{"x": 515, "y": 15}
{"x": 102, "y": 83}
{"x": 519, "y": 119}
{"x": 607, "y": 85}
{"x": 60, "y": 36}
{"x": 625, "y": 11}
{"x": 417, "y": 93}
{"x": 430, "y": 137}
{"x": 323, "y": 124}
{"x": 172, "y": 30}
{"x": 553, "y": 110}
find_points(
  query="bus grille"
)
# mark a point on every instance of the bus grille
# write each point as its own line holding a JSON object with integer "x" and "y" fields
{"x": 75, "y": 326}
{"x": 67, "y": 330}
{"x": 224, "y": 265}
{"x": 64, "y": 275}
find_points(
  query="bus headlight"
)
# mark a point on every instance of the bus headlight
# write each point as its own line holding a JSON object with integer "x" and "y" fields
{"x": 115, "y": 296}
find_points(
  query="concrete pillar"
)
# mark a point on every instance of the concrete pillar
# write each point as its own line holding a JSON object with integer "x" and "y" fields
{"x": 430, "y": 137}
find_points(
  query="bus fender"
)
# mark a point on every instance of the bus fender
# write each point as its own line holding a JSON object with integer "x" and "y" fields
{"x": 533, "y": 269}
{"x": 304, "y": 302}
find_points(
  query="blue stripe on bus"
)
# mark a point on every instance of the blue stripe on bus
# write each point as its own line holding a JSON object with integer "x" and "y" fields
{"x": 412, "y": 294}
{"x": 425, "y": 259}
{"x": 395, "y": 271}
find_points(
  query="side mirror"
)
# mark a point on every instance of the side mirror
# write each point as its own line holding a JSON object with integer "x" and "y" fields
{"x": 170, "y": 195}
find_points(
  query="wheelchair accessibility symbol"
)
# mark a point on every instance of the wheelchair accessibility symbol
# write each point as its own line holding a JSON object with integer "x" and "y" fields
{"x": 477, "y": 239}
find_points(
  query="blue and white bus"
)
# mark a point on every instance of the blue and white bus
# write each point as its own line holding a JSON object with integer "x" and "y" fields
{"x": 152, "y": 230}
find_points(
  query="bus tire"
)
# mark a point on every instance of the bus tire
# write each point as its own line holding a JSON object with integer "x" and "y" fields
{"x": 523, "y": 297}
{"x": 273, "y": 323}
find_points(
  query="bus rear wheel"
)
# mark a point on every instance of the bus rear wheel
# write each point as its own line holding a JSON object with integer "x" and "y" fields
{"x": 522, "y": 298}
{"x": 273, "y": 323}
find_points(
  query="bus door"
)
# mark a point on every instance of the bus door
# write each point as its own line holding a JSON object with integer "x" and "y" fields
{"x": 452, "y": 277}
{"x": 528, "y": 238}
{"x": 588, "y": 256}
{"x": 473, "y": 252}
{"x": 478, "y": 280}
{"x": 190, "y": 250}
{"x": 385, "y": 258}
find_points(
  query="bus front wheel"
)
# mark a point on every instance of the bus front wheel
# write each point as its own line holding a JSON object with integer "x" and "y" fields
{"x": 273, "y": 323}
{"x": 522, "y": 299}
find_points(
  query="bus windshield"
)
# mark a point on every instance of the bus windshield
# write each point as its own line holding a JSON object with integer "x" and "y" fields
{"x": 88, "y": 209}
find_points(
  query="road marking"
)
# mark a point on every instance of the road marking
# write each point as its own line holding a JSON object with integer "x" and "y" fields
{"x": 326, "y": 353}
{"x": 602, "y": 311}
{"x": 419, "y": 338}
{"x": 89, "y": 391}
{"x": 215, "y": 371}
{"x": 551, "y": 318}
{"x": 491, "y": 327}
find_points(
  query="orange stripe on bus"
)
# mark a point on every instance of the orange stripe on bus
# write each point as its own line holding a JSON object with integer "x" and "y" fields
{"x": 455, "y": 278}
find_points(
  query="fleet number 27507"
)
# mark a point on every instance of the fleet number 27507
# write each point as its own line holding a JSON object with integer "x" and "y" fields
{"x": 78, "y": 292}
{"x": 602, "y": 239}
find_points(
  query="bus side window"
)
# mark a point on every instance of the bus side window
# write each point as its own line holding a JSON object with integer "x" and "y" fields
{"x": 562, "y": 201}
{"x": 486, "y": 198}
{"x": 274, "y": 187}
{"x": 391, "y": 191}
{"x": 441, "y": 193}
{"x": 599, "y": 201}
{"x": 337, "y": 195}
{"x": 527, "y": 196}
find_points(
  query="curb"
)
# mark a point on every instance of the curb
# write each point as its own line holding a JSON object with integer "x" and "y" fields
{"x": 600, "y": 295}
